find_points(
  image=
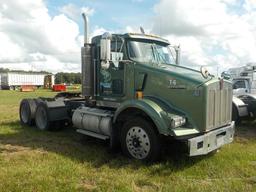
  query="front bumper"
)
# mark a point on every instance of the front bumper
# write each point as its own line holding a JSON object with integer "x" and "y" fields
{"x": 211, "y": 141}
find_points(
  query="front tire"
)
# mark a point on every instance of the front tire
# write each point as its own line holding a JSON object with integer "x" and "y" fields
{"x": 139, "y": 140}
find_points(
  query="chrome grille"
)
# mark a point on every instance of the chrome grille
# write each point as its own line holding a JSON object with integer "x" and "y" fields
{"x": 219, "y": 105}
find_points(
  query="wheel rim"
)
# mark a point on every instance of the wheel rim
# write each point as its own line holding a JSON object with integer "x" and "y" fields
{"x": 138, "y": 143}
{"x": 24, "y": 113}
{"x": 41, "y": 118}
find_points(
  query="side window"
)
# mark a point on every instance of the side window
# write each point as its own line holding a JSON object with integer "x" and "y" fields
{"x": 117, "y": 52}
{"x": 116, "y": 46}
{"x": 239, "y": 84}
{"x": 131, "y": 50}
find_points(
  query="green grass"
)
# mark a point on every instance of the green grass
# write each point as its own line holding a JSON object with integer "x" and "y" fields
{"x": 32, "y": 160}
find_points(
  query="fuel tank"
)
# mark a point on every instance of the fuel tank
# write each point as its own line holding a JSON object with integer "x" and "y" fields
{"x": 93, "y": 119}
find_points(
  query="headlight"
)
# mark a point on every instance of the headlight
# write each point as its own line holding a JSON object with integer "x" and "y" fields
{"x": 177, "y": 121}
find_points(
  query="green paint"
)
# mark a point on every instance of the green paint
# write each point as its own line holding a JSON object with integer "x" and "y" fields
{"x": 168, "y": 89}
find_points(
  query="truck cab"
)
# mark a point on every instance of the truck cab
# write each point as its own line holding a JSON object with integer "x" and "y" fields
{"x": 243, "y": 79}
{"x": 241, "y": 86}
{"x": 244, "y": 92}
{"x": 121, "y": 75}
{"x": 134, "y": 93}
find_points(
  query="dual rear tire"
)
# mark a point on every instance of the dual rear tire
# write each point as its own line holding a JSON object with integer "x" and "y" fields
{"x": 42, "y": 117}
{"x": 27, "y": 111}
{"x": 34, "y": 112}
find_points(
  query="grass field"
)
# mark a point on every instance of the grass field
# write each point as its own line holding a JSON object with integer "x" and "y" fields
{"x": 32, "y": 160}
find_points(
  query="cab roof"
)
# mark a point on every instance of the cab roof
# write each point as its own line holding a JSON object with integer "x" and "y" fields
{"x": 146, "y": 37}
{"x": 139, "y": 36}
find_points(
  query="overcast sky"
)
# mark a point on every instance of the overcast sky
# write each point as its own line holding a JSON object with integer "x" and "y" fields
{"x": 47, "y": 34}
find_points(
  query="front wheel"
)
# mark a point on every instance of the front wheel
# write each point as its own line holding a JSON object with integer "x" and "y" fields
{"x": 139, "y": 140}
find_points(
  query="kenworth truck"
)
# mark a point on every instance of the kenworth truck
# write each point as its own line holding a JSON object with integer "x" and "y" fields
{"x": 134, "y": 94}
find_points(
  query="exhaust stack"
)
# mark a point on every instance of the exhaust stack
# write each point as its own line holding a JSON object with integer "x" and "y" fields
{"x": 86, "y": 28}
{"x": 87, "y": 63}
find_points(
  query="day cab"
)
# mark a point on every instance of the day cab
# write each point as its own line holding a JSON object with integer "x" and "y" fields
{"x": 135, "y": 92}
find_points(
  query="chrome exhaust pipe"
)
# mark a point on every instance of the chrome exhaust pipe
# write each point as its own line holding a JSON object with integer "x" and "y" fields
{"x": 87, "y": 62}
{"x": 86, "y": 28}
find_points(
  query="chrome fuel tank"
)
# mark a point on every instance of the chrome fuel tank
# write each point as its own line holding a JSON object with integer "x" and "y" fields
{"x": 93, "y": 119}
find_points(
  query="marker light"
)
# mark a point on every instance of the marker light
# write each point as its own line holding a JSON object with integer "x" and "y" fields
{"x": 139, "y": 94}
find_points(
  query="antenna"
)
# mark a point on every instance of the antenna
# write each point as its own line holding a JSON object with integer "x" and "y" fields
{"x": 142, "y": 30}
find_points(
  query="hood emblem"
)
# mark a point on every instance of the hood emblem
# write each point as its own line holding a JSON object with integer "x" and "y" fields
{"x": 173, "y": 84}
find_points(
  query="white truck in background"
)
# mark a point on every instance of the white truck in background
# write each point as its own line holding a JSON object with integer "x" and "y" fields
{"x": 12, "y": 80}
{"x": 244, "y": 91}
{"x": 244, "y": 79}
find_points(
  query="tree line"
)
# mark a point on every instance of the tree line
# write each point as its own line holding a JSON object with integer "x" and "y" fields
{"x": 3, "y": 70}
{"x": 74, "y": 78}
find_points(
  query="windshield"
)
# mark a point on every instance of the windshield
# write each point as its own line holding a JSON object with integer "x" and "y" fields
{"x": 150, "y": 52}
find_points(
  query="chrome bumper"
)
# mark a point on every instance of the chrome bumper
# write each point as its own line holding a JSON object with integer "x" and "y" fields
{"x": 211, "y": 141}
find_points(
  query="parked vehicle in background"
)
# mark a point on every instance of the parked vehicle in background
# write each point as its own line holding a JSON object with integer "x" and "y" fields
{"x": 49, "y": 81}
{"x": 13, "y": 80}
{"x": 243, "y": 79}
{"x": 244, "y": 91}
{"x": 59, "y": 87}
{"x": 27, "y": 88}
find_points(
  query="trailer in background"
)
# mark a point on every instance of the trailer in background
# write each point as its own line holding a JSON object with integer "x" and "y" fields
{"x": 12, "y": 80}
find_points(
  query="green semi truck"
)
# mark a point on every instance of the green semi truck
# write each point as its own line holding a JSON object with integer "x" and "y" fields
{"x": 134, "y": 93}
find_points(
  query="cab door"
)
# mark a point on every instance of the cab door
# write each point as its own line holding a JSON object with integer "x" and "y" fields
{"x": 111, "y": 79}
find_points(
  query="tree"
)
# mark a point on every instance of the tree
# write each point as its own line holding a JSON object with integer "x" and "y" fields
{"x": 74, "y": 78}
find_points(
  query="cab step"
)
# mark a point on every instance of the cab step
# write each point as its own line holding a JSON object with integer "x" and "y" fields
{"x": 92, "y": 134}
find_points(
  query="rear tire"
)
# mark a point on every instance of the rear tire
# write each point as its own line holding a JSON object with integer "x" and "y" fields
{"x": 27, "y": 111}
{"x": 139, "y": 140}
{"x": 42, "y": 117}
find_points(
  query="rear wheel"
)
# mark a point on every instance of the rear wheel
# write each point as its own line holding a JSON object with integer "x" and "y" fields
{"x": 27, "y": 111}
{"x": 42, "y": 117}
{"x": 139, "y": 140}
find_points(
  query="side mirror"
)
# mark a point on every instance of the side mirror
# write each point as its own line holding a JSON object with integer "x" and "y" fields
{"x": 105, "y": 50}
{"x": 225, "y": 75}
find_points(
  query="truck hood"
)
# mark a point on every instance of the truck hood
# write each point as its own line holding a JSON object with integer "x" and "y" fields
{"x": 185, "y": 73}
